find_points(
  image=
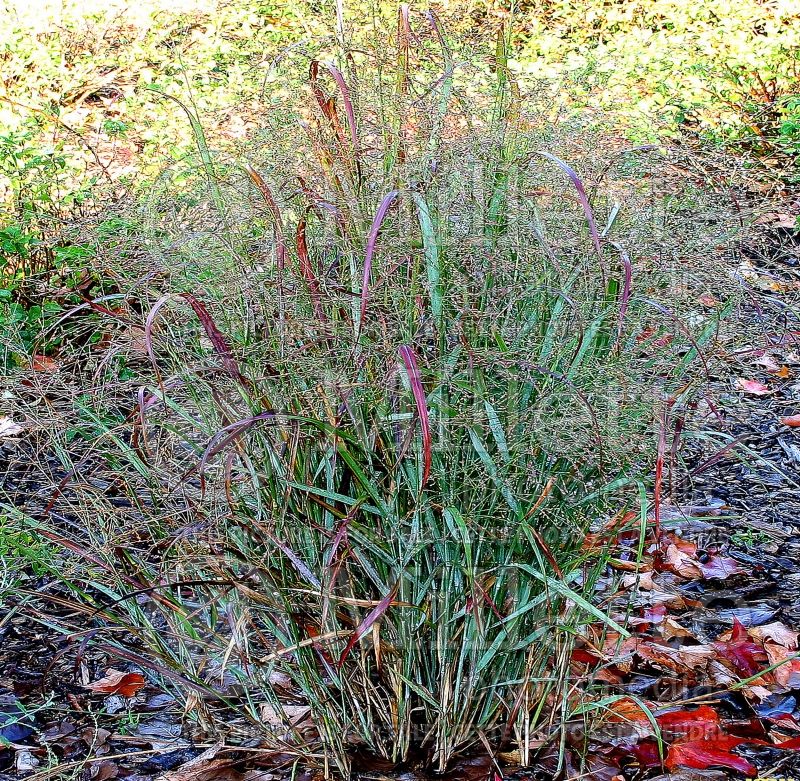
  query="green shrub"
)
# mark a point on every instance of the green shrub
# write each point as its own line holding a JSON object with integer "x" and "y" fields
{"x": 728, "y": 70}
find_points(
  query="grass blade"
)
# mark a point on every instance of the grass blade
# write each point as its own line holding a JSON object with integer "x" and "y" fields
{"x": 372, "y": 238}
{"x": 367, "y": 623}
{"x": 582, "y": 197}
{"x": 410, "y": 362}
{"x": 277, "y": 221}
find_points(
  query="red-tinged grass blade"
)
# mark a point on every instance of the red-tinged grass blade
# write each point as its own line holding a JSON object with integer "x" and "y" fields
{"x": 218, "y": 340}
{"x": 313, "y": 632}
{"x": 316, "y": 199}
{"x": 582, "y": 197}
{"x": 487, "y": 600}
{"x": 545, "y": 548}
{"x": 348, "y": 104}
{"x": 367, "y": 623}
{"x": 380, "y": 216}
{"x": 659, "y": 476}
{"x": 318, "y": 202}
{"x": 296, "y": 561}
{"x": 721, "y": 453}
{"x": 148, "y": 331}
{"x": 81, "y": 551}
{"x": 327, "y": 105}
{"x": 626, "y": 288}
{"x": 307, "y": 270}
{"x": 410, "y": 362}
{"x": 272, "y": 205}
{"x": 225, "y": 436}
{"x": 433, "y": 21}
{"x": 341, "y": 532}
{"x": 175, "y": 584}
{"x": 403, "y": 46}
{"x": 144, "y": 401}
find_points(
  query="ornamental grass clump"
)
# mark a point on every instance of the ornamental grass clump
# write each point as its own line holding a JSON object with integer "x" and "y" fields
{"x": 392, "y": 367}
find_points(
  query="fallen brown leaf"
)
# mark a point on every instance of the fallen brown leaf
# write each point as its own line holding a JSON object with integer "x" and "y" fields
{"x": 775, "y": 632}
{"x": 788, "y": 673}
{"x": 204, "y": 767}
{"x": 668, "y": 598}
{"x": 642, "y": 580}
{"x": 8, "y": 428}
{"x": 102, "y": 771}
{"x": 768, "y": 362}
{"x": 293, "y": 715}
{"x": 777, "y": 220}
{"x": 670, "y": 629}
{"x": 631, "y": 713}
{"x": 683, "y": 563}
{"x": 118, "y": 682}
{"x": 43, "y": 363}
{"x": 691, "y": 657}
{"x": 757, "y": 692}
{"x": 708, "y": 300}
{"x": 717, "y": 567}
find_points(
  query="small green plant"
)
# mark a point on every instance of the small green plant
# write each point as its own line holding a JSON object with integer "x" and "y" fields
{"x": 749, "y": 538}
{"x": 20, "y": 551}
{"x": 35, "y": 259}
{"x": 128, "y": 723}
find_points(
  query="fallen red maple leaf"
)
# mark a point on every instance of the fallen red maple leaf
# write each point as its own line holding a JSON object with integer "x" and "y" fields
{"x": 652, "y": 614}
{"x": 700, "y": 723}
{"x": 118, "y": 682}
{"x": 585, "y": 657}
{"x": 713, "y": 752}
{"x": 646, "y": 753}
{"x": 791, "y": 420}
{"x": 745, "y": 656}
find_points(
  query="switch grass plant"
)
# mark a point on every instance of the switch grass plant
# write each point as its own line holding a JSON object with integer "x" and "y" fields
{"x": 398, "y": 369}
